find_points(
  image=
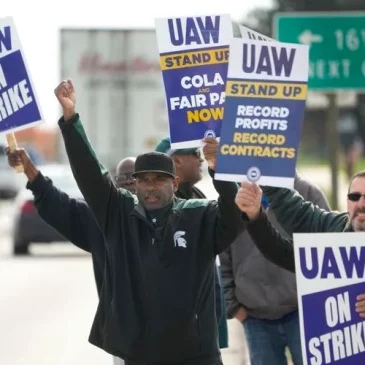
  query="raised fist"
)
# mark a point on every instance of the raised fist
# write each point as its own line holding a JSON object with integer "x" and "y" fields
{"x": 65, "y": 93}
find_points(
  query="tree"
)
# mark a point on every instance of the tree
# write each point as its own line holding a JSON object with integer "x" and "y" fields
{"x": 260, "y": 19}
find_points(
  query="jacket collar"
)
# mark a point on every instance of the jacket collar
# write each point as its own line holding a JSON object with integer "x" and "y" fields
{"x": 159, "y": 214}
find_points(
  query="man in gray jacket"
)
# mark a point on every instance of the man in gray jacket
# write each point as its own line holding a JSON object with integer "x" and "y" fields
{"x": 262, "y": 295}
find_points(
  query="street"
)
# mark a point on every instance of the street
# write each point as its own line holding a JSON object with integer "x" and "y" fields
{"x": 47, "y": 306}
{"x": 48, "y": 301}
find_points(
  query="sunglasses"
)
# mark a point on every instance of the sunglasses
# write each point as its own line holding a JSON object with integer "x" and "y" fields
{"x": 196, "y": 154}
{"x": 355, "y": 197}
{"x": 124, "y": 177}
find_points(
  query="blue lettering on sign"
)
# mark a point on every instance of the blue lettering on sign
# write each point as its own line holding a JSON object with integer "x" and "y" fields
{"x": 352, "y": 262}
{"x": 258, "y": 37}
{"x": 329, "y": 265}
{"x": 269, "y": 61}
{"x": 196, "y": 31}
{"x": 5, "y": 39}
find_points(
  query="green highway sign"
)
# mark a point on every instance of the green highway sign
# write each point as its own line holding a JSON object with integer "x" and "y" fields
{"x": 337, "y": 46}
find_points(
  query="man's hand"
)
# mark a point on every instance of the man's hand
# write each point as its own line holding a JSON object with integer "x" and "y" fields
{"x": 360, "y": 305}
{"x": 248, "y": 199}
{"x": 65, "y": 93}
{"x": 20, "y": 157}
{"x": 210, "y": 151}
{"x": 241, "y": 314}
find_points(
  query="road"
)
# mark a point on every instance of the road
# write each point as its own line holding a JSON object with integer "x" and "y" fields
{"x": 48, "y": 301}
{"x": 47, "y": 306}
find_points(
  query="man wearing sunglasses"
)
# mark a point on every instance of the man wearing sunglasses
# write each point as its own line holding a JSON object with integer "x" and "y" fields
{"x": 298, "y": 215}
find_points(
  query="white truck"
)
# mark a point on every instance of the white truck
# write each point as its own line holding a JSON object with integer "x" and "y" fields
{"x": 120, "y": 93}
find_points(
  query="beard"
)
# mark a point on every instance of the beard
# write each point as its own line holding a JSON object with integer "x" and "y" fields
{"x": 358, "y": 224}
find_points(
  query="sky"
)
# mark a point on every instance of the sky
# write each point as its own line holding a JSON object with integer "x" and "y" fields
{"x": 38, "y": 23}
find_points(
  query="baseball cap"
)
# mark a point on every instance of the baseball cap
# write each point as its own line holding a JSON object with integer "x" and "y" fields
{"x": 154, "y": 162}
{"x": 164, "y": 146}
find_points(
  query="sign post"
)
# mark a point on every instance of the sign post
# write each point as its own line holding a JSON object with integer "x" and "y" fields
{"x": 333, "y": 138}
{"x": 337, "y": 62}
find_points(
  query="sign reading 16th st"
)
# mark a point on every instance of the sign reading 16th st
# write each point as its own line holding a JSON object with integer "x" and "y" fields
{"x": 337, "y": 46}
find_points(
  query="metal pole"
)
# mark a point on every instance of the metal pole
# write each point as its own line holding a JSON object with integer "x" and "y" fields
{"x": 333, "y": 142}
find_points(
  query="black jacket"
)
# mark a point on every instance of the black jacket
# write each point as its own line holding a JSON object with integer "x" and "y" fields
{"x": 73, "y": 219}
{"x": 157, "y": 298}
{"x": 271, "y": 243}
{"x": 265, "y": 290}
{"x": 188, "y": 191}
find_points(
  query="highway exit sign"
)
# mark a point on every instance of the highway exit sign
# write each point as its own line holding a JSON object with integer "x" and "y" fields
{"x": 337, "y": 46}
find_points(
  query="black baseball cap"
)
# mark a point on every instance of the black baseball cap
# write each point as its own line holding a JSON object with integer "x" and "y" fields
{"x": 154, "y": 162}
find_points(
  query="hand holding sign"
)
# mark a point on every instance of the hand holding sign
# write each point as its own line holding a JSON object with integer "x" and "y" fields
{"x": 11, "y": 140}
{"x": 360, "y": 305}
{"x": 210, "y": 151}
{"x": 19, "y": 157}
{"x": 248, "y": 199}
{"x": 65, "y": 93}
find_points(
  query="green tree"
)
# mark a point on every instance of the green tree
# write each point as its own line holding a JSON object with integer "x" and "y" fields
{"x": 260, "y": 19}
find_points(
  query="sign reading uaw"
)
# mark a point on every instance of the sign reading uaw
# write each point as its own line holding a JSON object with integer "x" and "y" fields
{"x": 194, "y": 62}
{"x": 330, "y": 269}
{"x": 266, "y": 90}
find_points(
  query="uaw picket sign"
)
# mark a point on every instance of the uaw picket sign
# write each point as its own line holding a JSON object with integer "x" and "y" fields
{"x": 330, "y": 269}
{"x": 194, "y": 61}
{"x": 19, "y": 108}
{"x": 337, "y": 46}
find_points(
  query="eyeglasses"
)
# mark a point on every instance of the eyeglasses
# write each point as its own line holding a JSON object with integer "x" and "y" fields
{"x": 355, "y": 197}
{"x": 124, "y": 177}
{"x": 196, "y": 154}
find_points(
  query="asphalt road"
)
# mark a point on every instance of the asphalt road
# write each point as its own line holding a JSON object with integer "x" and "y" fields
{"x": 46, "y": 307}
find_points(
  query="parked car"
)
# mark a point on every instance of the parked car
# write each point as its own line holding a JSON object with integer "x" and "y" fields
{"x": 9, "y": 184}
{"x": 29, "y": 227}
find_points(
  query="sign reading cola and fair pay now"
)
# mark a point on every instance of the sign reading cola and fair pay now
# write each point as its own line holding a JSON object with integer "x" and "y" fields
{"x": 266, "y": 92}
{"x": 194, "y": 62}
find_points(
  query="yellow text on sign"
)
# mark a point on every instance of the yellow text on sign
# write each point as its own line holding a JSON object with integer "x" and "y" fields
{"x": 194, "y": 58}
{"x": 204, "y": 115}
{"x": 272, "y": 90}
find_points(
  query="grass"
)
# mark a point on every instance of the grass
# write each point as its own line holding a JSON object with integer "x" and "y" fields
{"x": 310, "y": 161}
